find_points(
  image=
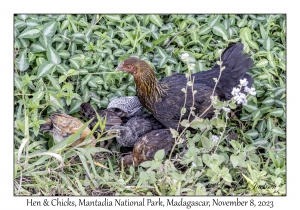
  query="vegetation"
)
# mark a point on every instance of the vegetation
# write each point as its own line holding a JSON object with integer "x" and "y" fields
{"x": 62, "y": 61}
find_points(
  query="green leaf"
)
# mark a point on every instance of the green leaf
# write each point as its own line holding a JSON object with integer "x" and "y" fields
{"x": 250, "y": 107}
{"x": 262, "y": 126}
{"x": 270, "y": 124}
{"x": 18, "y": 84}
{"x": 214, "y": 20}
{"x": 159, "y": 155}
{"x": 156, "y": 20}
{"x": 32, "y": 23}
{"x": 234, "y": 160}
{"x": 113, "y": 18}
{"x": 30, "y": 33}
{"x": 162, "y": 53}
{"x": 253, "y": 44}
{"x": 206, "y": 143}
{"x": 279, "y": 92}
{"x": 53, "y": 55}
{"x": 268, "y": 43}
{"x": 219, "y": 30}
{"x": 252, "y": 133}
{"x": 146, "y": 164}
{"x": 241, "y": 23}
{"x": 45, "y": 68}
{"x": 256, "y": 115}
{"x": 54, "y": 82}
{"x": 37, "y": 47}
{"x": 262, "y": 31}
{"x": 245, "y": 34}
{"x": 50, "y": 28}
{"x": 75, "y": 63}
{"x": 185, "y": 123}
{"x": 22, "y": 61}
{"x": 198, "y": 124}
{"x": 64, "y": 25}
{"x": 279, "y": 132}
{"x": 262, "y": 63}
{"x": 37, "y": 97}
{"x": 268, "y": 101}
{"x": 218, "y": 123}
{"x": 276, "y": 112}
{"x": 205, "y": 30}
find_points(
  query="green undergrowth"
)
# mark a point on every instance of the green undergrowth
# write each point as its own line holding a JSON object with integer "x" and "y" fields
{"x": 62, "y": 61}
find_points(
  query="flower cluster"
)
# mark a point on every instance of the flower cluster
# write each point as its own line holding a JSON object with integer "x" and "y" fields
{"x": 243, "y": 82}
{"x": 239, "y": 97}
{"x": 226, "y": 109}
{"x": 215, "y": 138}
{"x": 184, "y": 56}
{"x": 251, "y": 91}
{"x": 192, "y": 66}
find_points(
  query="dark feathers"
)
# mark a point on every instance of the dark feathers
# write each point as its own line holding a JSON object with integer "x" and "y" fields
{"x": 146, "y": 147}
{"x": 136, "y": 127}
{"x": 165, "y": 98}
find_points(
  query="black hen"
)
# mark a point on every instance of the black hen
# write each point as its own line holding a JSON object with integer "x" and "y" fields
{"x": 165, "y": 99}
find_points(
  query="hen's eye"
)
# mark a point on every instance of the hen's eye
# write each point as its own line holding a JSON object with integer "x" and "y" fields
{"x": 128, "y": 67}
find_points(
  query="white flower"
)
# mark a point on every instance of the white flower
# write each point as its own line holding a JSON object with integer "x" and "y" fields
{"x": 184, "y": 56}
{"x": 235, "y": 91}
{"x": 194, "y": 164}
{"x": 192, "y": 66}
{"x": 240, "y": 98}
{"x": 215, "y": 138}
{"x": 243, "y": 82}
{"x": 226, "y": 109}
{"x": 251, "y": 91}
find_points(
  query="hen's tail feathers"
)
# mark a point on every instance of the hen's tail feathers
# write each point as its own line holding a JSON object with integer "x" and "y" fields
{"x": 236, "y": 63}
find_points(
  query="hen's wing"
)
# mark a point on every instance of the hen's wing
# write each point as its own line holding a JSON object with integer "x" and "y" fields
{"x": 168, "y": 109}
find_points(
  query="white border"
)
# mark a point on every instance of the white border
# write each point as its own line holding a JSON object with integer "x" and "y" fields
{"x": 138, "y": 7}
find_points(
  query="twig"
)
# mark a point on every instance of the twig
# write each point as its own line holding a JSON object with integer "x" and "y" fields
{"x": 177, "y": 35}
{"x": 183, "y": 131}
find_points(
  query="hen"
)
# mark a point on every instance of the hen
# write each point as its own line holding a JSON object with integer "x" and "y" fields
{"x": 146, "y": 147}
{"x": 136, "y": 127}
{"x": 61, "y": 126}
{"x": 165, "y": 99}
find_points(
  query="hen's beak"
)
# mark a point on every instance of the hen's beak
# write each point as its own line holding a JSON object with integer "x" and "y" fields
{"x": 120, "y": 67}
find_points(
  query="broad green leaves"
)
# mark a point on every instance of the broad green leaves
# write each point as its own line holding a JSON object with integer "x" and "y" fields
{"x": 30, "y": 33}
{"x": 53, "y": 56}
{"x": 156, "y": 20}
{"x": 49, "y": 29}
{"x": 268, "y": 43}
{"x": 22, "y": 61}
{"x": 219, "y": 30}
{"x": 45, "y": 68}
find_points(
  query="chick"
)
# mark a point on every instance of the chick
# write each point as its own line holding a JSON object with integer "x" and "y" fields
{"x": 111, "y": 117}
{"x": 136, "y": 127}
{"x": 146, "y": 147}
{"x": 61, "y": 126}
{"x": 126, "y": 107}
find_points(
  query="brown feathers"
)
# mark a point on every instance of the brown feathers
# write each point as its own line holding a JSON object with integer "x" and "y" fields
{"x": 62, "y": 126}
